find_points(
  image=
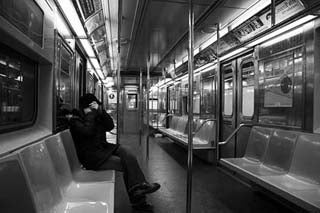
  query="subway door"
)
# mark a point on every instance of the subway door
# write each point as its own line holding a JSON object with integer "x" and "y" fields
{"x": 131, "y": 110}
{"x": 245, "y": 101}
{"x": 228, "y": 107}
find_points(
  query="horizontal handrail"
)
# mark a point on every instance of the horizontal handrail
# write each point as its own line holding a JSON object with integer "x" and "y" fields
{"x": 205, "y": 121}
{"x": 234, "y": 133}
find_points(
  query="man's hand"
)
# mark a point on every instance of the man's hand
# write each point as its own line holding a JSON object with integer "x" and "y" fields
{"x": 94, "y": 105}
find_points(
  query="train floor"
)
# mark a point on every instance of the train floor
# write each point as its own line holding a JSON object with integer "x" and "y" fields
{"x": 213, "y": 190}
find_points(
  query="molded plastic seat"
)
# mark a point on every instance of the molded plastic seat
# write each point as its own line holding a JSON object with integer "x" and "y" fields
{"x": 14, "y": 187}
{"x": 289, "y": 166}
{"x": 161, "y": 120}
{"x": 182, "y": 125}
{"x": 80, "y": 174}
{"x": 206, "y": 133}
{"x": 49, "y": 195}
{"x": 68, "y": 187}
{"x": 303, "y": 179}
{"x": 280, "y": 150}
{"x": 255, "y": 152}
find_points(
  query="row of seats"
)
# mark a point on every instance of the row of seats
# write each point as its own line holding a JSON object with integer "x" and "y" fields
{"x": 178, "y": 131}
{"x": 157, "y": 120}
{"x": 47, "y": 177}
{"x": 285, "y": 162}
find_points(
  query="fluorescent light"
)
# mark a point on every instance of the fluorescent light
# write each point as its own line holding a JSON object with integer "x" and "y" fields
{"x": 233, "y": 53}
{"x": 282, "y": 30}
{"x": 284, "y": 36}
{"x": 89, "y": 65}
{"x": 223, "y": 32}
{"x": 253, "y": 9}
{"x": 196, "y": 51}
{"x": 178, "y": 63}
{"x": 87, "y": 47}
{"x": 208, "y": 42}
{"x": 72, "y": 16}
{"x": 95, "y": 63}
{"x": 205, "y": 68}
{"x": 99, "y": 73}
{"x": 184, "y": 59}
{"x": 62, "y": 27}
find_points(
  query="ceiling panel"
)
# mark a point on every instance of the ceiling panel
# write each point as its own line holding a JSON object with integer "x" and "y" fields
{"x": 153, "y": 28}
{"x": 163, "y": 23}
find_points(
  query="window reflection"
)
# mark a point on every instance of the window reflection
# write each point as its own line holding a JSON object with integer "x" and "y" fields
{"x": 63, "y": 84}
{"x": 281, "y": 90}
{"x": 247, "y": 79}
{"x": 228, "y": 93}
{"x": 132, "y": 101}
{"x": 208, "y": 96}
{"x": 17, "y": 88}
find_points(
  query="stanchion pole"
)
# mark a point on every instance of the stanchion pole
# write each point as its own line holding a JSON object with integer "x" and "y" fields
{"x": 119, "y": 69}
{"x": 141, "y": 107}
{"x": 190, "y": 103}
{"x": 147, "y": 90}
{"x": 118, "y": 99}
{"x": 218, "y": 86}
{"x": 158, "y": 104}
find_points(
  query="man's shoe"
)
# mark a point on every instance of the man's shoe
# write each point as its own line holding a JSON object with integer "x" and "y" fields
{"x": 143, "y": 189}
{"x": 143, "y": 207}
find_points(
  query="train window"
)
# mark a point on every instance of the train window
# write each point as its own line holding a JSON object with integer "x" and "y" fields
{"x": 196, "y": 103}
{"x": 208, "y": 97}
{"x": 18, "y": 80}
{"x": 178, "y": 103}
{"x": 247, "y": 79}
{"x": 65, "y": 76}
{"x": 90, "y": 83}
{"x": 24, "y": 15}
{"x": 281, "y": 89}
{"x": 228, "y": 93}
{"x": 280, "y": 69}
{"x": 132, "y": 101}
{"x": 63, "y": 83}
{"x": 162, "y": 99}
{"x": 172, "y": 99}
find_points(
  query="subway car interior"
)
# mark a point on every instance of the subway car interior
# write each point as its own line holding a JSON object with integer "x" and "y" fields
{"x": 217, "y": 100}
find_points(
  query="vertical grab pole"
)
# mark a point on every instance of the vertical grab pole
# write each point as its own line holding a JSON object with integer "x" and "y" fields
{"x": 118, "y": 100}
{"x": 119, "y": 68}
{"x": 273, "y": 12}
{"x": 190, "y": 103}
{"x": 141, "y": 107}
{"x": 218, "y": 85}
{"x": 148, "y": 88}
{"x": 158, "y": 105}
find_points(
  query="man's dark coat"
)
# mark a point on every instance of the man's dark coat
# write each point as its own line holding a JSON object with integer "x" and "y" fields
{"x": 89, "y": 135}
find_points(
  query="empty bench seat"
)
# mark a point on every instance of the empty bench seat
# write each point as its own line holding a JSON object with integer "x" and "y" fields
{"x": 205, "y": 134}
{"x": 54, "y": 190}
{"x": 15, "y": 193}
{"x": 284, "y": 162}
{"x": 178, "y": 131}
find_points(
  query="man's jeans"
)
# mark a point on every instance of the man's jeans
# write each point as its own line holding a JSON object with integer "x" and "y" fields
{"x": 124, "y": 161}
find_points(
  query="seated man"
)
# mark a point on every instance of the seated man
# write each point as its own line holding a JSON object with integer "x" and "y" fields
{"x": 88, "y": 128}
